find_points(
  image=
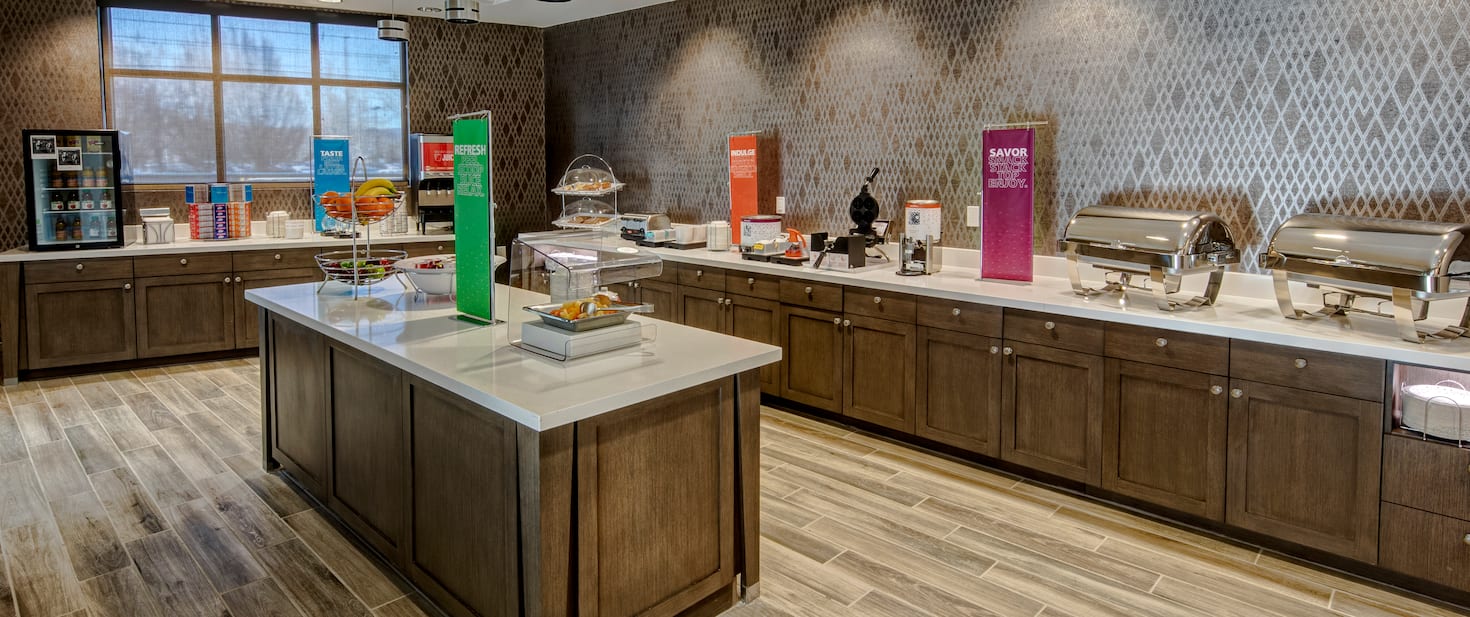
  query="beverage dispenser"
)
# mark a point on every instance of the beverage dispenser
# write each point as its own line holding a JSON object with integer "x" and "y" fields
{"x": 431, "y": 179}
{"x": 921, "y": 246}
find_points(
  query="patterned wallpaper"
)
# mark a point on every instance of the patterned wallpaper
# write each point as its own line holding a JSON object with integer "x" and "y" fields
{"x": 51, "y": 78}
{"x": 51, "y": 48}
{"x": 1257, "y": 109}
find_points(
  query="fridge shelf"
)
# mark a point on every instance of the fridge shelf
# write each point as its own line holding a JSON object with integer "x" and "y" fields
{"x": 79, "y": 188}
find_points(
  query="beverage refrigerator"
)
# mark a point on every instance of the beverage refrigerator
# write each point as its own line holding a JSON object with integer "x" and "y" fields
{"x": 73, "y": 186}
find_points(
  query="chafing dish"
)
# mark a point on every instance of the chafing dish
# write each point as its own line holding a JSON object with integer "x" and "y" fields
{"x": 1163, "y": 245}
{"x": 1405, "y": 264}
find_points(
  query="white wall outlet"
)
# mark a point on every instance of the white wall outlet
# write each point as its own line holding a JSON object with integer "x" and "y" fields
{"x": 972, "y": 216}
{"x": 780, "y": 205}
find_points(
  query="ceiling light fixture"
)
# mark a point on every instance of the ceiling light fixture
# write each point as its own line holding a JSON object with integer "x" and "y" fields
{"x": 430, "y": 9}
{"x": 462, "y": 11}
{"x": 393, "y": 28}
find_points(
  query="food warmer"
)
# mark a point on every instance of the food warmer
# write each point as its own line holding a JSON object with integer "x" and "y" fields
{"x": 1162, "y": 245}
{"x": 1405, "y": 264}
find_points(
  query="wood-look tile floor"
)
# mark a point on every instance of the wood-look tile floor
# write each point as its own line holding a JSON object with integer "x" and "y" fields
{"x": 139, "y": 494}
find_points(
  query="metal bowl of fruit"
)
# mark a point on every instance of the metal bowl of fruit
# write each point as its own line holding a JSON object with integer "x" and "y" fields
{"x": 360, "y": 268}
{"x": 581, "y": 315}
{"x": 373, "y": 201}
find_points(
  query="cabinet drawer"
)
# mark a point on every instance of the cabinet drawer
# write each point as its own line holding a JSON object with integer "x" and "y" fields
{"x": 77, "y": 270}
{"x": 1307, "y": 369}
{"x": 1427, "y": 475}
{"x": 703, "y": 277}
{"x": 246, "y": 261}
{"x": 669, "y": 274}
{"x": 755, "y": 285}
{"x": 419, "y": 249}
{"x": 1072, "y": 333}
{"x": 169, "y": 265}
{"x": 959, "y": 316}
{"x": 811, "y": 295}
{"x": 881, "y": 304}
{"x": 1424, "y": 545}
{"x": 1194, "y": 352}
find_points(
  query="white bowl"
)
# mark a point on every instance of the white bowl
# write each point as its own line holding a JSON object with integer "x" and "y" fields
{"x": 1437, "y": 410}
{"x": 438, "y": 282}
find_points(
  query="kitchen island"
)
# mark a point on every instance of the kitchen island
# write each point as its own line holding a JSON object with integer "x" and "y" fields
{"x": 503, "y": 483}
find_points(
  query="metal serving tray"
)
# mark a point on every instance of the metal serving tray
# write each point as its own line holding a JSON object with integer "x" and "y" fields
{"x": 587, "y": 323}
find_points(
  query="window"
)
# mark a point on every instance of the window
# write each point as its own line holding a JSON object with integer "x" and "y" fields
{"x": 224, "y": 93}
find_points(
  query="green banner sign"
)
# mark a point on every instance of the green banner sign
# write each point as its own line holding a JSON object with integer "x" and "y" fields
{"x": 474, "y": 221}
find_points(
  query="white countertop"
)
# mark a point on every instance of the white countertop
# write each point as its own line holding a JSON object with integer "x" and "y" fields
{"x": 1246, "y": 308}
{"x": 423, "y": 337}
{"x": 257, "y": 242}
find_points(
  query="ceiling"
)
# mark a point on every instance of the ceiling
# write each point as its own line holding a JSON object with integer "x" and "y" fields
{"x": 514, "y": 12}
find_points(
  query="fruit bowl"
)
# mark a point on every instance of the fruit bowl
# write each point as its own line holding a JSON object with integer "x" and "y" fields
{"x": 431, "y": 274}
{"x": 360, "y": 268}
{"x": 374, "y": 200}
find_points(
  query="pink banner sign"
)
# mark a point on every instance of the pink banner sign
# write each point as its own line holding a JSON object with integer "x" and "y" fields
{"x": 1007, "y": 204}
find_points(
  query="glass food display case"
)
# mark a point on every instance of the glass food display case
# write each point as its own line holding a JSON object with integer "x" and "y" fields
{"x": 73, "y": 196}
{"x": 588, "y": 187}
{"x": 562, "y": 310}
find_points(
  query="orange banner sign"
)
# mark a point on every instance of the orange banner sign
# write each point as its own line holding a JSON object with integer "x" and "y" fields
{"x": 744, "y": 181}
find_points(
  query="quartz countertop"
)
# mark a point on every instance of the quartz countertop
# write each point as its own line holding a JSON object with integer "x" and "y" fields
{"x": 257, "y": 242}
{"x": 422, "y": 336}
{"x": 1246, "y": 308}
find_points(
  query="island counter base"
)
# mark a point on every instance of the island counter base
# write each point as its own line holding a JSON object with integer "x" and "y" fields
{"x": 652, "y": 509}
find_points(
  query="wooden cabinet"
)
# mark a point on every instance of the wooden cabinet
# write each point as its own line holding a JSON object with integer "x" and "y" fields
{"x": 369, "y": 438}
{"x": 676, "y": 452}
{"x": 759, "y": 320}
{"x": 663, "y": 296}
{"x": 701, "y": 308}
{"x": 463, "y": 550}
{"x": 1304, "y": 467}
{"x": 1051, "y": 410}
{"x": 185, "y": 314}
{"x": 811, "y": 373}
{"x": 878, "y": 371}
{"x": 298, "y": 410}
{"x": 1427, "y": 475}
{"x": 1426, "y": 545}
{"x": 247, "y": 320}
{"x": 1164, "y": 437}
{"x": 420, "y": 249}
{"x": 957, "y": 393}
{"x": 81, "y": 322}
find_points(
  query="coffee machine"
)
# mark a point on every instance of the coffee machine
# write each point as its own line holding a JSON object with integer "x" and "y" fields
{"x": 431, "y": 179}
{"x": 920, "y": 249}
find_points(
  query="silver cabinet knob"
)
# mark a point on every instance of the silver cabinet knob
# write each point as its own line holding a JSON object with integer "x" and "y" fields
{"x": 227, "y": 280}
{"x": 127, "y": 286}
{"x": 1236, "y": 393}
{"x": 750, "y": 281}
{"x": 877, "y": 300}
{"x": 836, "y": 321}
{"x": 808, "y": 291}
{"x": 237, "y": 279}
{"x": 79, "y": 267}
{"x": 635, "y": 285}
{"x": 1300, "y": 363}
{"x": 994, "y": 350}
{"x": 1216, "y": 390}
{"x": 955, "y": 312}
{"x": 1008, "y": 351}
{"x": 1466, "y": 539}
{"x": 1161, "y": 342}
{"x": 278, "y": 256}
{"x": 439, "y": 248}
{"x": 183, "y": 261}
{"x": 847, "y": 323}
{"x": 1050, "y": 325}
{"x": 729, "y": 302}
{"x": 699, "y": 274}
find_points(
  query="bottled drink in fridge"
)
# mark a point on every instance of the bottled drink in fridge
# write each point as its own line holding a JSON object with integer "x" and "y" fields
{"x": 58, "y": 201}
{"x": 111, "y": 226}
{"x": 88, "y": 200}
{"x": 105, "y": 203}
{"x": 73, "y": 201}
{"x": 76, "y": 227}
{"x": 61, "y": 229}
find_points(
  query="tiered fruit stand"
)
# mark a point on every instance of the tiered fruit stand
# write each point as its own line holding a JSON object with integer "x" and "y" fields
{"x": 359, "y": 267}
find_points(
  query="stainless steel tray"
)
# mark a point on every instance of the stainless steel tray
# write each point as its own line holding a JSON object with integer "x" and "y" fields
{"x": 584, "y": 324}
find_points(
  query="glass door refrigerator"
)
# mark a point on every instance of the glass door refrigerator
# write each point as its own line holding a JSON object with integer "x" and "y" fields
{"x": 73, "y": 182}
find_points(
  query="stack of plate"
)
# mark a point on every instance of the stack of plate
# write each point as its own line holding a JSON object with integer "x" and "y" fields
{"x": 1438, "y": 410}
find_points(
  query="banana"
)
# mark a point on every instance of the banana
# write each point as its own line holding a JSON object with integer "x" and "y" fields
{"x": 377, "y": 183}
{"x": 376, "y": 191}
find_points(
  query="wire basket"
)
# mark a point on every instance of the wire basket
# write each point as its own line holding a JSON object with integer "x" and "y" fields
{"x": 360, "y": 268}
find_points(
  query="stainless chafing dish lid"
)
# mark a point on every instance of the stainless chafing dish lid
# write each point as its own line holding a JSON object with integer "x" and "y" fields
{"x": 1419, "y": 247}
{"x": 1145, "y": 229}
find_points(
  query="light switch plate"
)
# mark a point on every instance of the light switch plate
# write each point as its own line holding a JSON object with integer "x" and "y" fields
{"x": 780, "y": 205}
{"x": 972, "y": 216}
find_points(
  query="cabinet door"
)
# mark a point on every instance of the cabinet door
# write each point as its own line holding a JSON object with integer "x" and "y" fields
{"x": 463, "y": 549}
{"x": 247, "y": 320}
{"x": 185, "y": 314}
{"x": 663, "y": 298}
{"x": 957, "y": 394}
{"x": 1304, "y": 467}
{"x": 369, "y": 447}
{"x": 627, "y": 292}
{"x": 1164, "y": 437}
{"x": 702, "y": 308}
{"x": 298, "y": 405}
{"x": 757, "y": 320}
{"x": 1052, "y": 410}
{"x": 811, "y": 373}
{"x": 85, "y": 322}
{"x": 878, "y": 372}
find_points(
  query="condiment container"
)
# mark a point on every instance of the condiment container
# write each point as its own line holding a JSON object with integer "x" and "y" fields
{"x": 717, "y": 236}
{"x": 295, "y": 230}
{"x": 158, "y": 230}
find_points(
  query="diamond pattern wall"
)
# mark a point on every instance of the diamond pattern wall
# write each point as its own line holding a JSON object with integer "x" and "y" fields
{"x": 1256, "y": 109}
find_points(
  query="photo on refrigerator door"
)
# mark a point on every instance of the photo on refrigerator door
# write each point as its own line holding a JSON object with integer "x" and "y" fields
{"x": 68, "y": 159}
{"x": 43, "y": 146}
